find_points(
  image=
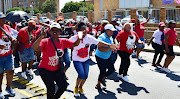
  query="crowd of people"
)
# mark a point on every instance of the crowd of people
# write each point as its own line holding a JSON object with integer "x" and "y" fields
{"x": 25, "y": 41}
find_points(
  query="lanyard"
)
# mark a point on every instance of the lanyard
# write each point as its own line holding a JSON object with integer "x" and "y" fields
{"x": 29, "y": 34}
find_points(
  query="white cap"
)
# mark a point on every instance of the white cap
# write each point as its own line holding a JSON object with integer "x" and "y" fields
{"x": 109, "y": 27}
{"x": 55, "y": 25}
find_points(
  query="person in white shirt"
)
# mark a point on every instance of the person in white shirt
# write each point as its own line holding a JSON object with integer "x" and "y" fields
{"x": 157, "y": 43}
{"x": 80, "y": 56}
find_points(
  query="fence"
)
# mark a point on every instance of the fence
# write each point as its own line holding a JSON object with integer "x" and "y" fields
{"x": 67, "y": 15}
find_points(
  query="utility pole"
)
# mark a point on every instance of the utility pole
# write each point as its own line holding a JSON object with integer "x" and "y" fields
{"x": 83, "y": 8}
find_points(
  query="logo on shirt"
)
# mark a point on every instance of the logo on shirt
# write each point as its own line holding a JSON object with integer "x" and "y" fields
{"x": 7, "y": 48}
{"x": 130, "y": 42}
{"x": 83, "y": 52}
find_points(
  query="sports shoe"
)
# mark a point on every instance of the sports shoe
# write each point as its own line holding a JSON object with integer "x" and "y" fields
{"x": 120, "y": 76}
{"x": 139, "y": 58}
{"x": 166, "y": 70}
{"x": 76, "y": 92}
{"x": 179, "y": 84}
{"x": 1, "y": 95}
{"x": 157, "y": 64}
{"x": 125, "y": 78}
{"x": 30, "y": 72}
{"x": 153, "y": 64}
{"x": 81, "y": 90}
{"x": 11, "y": 92}
{"x": 23, "y": 74}
{"x": 98, "y": 87}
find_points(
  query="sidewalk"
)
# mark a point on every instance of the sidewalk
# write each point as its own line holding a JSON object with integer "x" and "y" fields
{"x": 150, "y": 49}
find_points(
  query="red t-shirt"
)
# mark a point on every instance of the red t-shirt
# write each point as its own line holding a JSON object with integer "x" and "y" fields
{"x": 126, "y": 43}
{"x": 7, "y": 50}
{"x": 140, "y": 29}
{"x": 25, "y": 37}
{"x": 172, "y": 36}
{"x": 50, "y": 59}
{"x": 97, "y": 28}
{"x": 92, "y": 32}
{"x": 38, "y": 32}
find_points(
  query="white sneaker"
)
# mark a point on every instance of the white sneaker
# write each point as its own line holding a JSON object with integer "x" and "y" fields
{"x": 120, "y": 76}
{"x": 23, "y": 74}
{"x": 166, "y": 70}
{"x": 179, "y": 84}
{"x": 125, "y": 78}
{"x": 30, "y": 72}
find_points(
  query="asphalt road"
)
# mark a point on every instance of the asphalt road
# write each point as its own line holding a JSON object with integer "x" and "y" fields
{"x": 146, "y": 82}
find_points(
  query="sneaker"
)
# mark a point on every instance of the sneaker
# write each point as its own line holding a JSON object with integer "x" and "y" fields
{"x": 11, "y": 92}
{"x": 120, "y": 76}
{"x": 76, "y": 92}
{"x": 166, "y": 70}
{"x": 157, "y": 64}
{"x": 23, "y": 74}
{"x": 179, "y": 84}
{"x": 153, "y": 64}
{"x": 139, "y": 58}
{"x": 125, "y": 78}
{"x": 98, "y": 87}
{"x": 1, "y": 95}
{"x": 103, "y": 83}
{"x": 30, "y": 72}
{"x": 81, "y": 90}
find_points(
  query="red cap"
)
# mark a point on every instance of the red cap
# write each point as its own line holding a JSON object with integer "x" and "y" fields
{"x": 162, "y": 24}
{"x": 133, "y": 20}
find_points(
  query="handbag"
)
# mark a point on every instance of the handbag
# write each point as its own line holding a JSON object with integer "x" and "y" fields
{"x": 20, "y": 46}
{"x": 61, "y": 65}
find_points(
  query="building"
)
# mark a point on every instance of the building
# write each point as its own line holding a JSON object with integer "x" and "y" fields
{"x": 4, "y": 5}
{"x": 125, "y": 6}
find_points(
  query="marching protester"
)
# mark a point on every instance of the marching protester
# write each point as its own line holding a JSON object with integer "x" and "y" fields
{"x": 170, "y": 37}
{"x": 139, "y": 29}
{"x": 127, "y": 39}
{"x": 26, "y": 38}
{"x": 6, "y": 57}
{"x": 103, "y": 56}
{"x": 158, "y": 44}
{"x": 80, "y": 56}
{"x": 51, "y": 67}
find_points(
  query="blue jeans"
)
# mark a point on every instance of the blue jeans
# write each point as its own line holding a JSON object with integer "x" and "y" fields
{"x": 27, "y": 55}
{"x": 82, "y": 69}
{"x": 66, "y": 58}
{"x": 6, "y": 63}
{"x": 139, "y": 45}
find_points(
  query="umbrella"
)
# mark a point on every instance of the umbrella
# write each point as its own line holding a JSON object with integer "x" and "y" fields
{"x": 17, "y": 16}
{"x": 59, "y": 18}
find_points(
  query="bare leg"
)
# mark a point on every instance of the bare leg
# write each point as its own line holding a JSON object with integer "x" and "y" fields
{"x": 99, "y": 82}
{"x": 138, "y": 51}
{"x": 78, "y": 82}
{"x": 82, "y": 83}
{"x": 1, "y": 78}
{"x": 24, "y": 66}
{"x": 30, "y": 64}
{"x": 9, "y": 78}
{"x": 168, "y": 60}
{"x": 65, "y": 69}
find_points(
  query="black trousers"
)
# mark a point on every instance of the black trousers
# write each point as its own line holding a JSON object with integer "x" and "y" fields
{"x": 106, "y": 67}
{"x": 49, "y": 78}
{"x": 158, "y": 50}
{"x": 125, "y": 62}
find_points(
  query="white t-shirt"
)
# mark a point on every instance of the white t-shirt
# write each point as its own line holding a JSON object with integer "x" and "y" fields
{"x": 81, "y": 52}
{"x": 75, "y": 32}
{"x": 157, "y": 37}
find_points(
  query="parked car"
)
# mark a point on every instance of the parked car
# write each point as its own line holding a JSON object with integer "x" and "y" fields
{"x": 82, "y": 18}
{"x": 127, "y": 19}
{"x": 118, "y": 17}
{"x": 153, "y": 20}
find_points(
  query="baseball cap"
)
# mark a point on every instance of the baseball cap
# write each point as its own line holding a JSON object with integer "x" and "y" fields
{"x": 172, "y": 22}
{"x": 2, "y": 15}
{"x": 162, "y": 24}
{"x": 55, "y": 25}
{"x": 109, "y": 27}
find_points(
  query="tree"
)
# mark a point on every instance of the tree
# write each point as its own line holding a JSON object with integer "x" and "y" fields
{"x": 75, "y": 6}
{"x": 49, "y": 6}
{"x": 34, "y": 9}
{"x": 14, "y": 9}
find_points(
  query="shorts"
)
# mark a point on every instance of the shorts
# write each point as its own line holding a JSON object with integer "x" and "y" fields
{"x": 6, "y": 63}
{"x": 27, "y": 55}
{"x": 171, "y": 51}
{"x": 140, "y": 45}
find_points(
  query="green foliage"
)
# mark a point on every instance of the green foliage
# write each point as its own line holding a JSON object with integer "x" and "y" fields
{"x": 34, "y": 9}
{"x": 14, "y": 9}
{"x": 75, "y": 6}
{"x": 49, "y": 6}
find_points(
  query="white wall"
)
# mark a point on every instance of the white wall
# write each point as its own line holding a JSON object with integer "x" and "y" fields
{"x": 0, "y": 6}
{"x": 7, "y": 5}
{"x": 133, "y": 3}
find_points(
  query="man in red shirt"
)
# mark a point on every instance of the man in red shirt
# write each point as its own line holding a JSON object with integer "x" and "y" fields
{"x": 139, "y": 29}
{"x": 6, "y": 58}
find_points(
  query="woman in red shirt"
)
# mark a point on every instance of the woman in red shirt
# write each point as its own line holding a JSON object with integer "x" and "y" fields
{"x": 49, "y": 69}
{"x": 170, "y": 39}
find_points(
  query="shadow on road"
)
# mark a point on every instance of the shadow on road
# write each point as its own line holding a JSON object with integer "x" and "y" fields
{"x": 130, "y": 88}
{"x": 105, "y": 94}
{"x": 142, "y": 61}
{"x": 171, "y": 75}
{"x": 114, "y": 77}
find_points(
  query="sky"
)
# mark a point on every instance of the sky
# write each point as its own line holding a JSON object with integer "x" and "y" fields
{"x": 63, "y": 2}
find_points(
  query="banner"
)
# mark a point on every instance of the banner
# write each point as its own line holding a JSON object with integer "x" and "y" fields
{"x": 178, "y": 1}
{"x": 165, "y": 2}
